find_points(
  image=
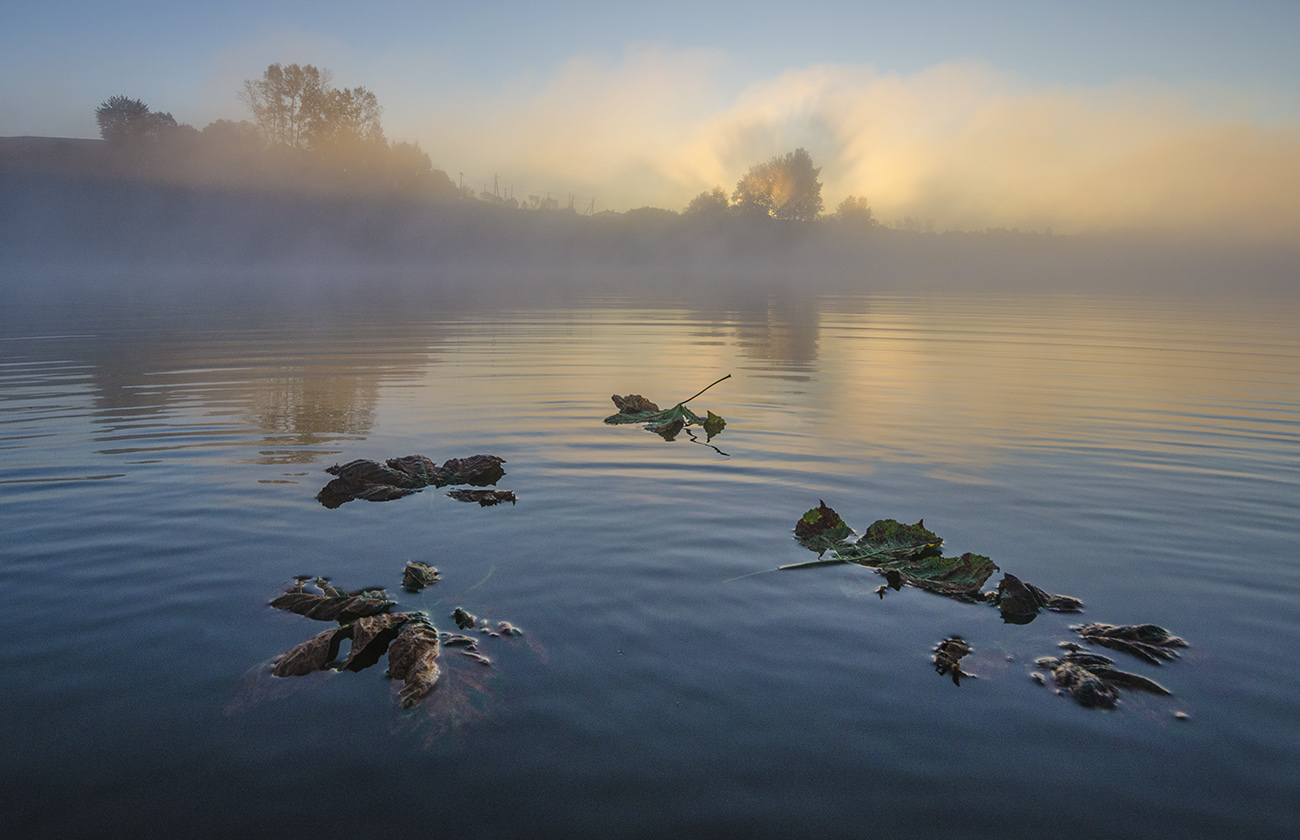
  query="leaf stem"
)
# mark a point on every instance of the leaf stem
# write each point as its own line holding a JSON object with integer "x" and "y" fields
{"x": 693, "y": 396}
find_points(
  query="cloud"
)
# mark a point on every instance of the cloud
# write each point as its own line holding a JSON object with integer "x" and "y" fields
{"x": 960, "y": 143}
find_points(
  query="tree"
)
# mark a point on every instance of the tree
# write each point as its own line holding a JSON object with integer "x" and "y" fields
{"x": 856, "y": 211}
{"x": 782, "y": 188}
{"x": 123, "y": 120}
{"x": 344, "y": 122}
{"x": 284, "y": 102}
{"x": 710, "y": 203}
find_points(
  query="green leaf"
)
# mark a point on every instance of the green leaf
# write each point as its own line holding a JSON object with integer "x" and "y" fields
{"x": 960, "y": 576}
{"x": 713, "y": 425}
{"x": 635, "y": 408}
{"x": 821, "y": 528}
{"x": 888, "y": 540}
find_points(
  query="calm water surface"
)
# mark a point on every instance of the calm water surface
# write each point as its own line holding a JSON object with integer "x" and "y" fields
{"x": 157, "y": 488}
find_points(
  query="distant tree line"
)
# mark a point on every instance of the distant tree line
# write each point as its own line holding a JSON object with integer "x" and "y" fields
{"x": 301, "y": 121}
{"x": 302, "y": 127}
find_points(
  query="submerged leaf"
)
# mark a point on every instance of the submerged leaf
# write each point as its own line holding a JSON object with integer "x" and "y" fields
{"x": 413, "y": 658}
{"x": 948, "y": 655}
{"x": 1092, "y": 680}
{"x": 370, "y": 638}
{"x": 313, "y": 655}
{"x": 1148, "y": 642}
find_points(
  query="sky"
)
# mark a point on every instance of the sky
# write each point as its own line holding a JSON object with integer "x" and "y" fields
{"x": 1173, "y": 116}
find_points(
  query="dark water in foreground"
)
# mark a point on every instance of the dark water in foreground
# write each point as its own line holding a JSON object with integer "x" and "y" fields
{"x": 157, "y": 488}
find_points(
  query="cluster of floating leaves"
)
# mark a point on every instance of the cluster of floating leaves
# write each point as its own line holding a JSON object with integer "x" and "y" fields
{"x": 912, "y": 555}
{"x": 409, "y": 639}
{"x": 667, "y": 423}
{"x": 398, "y": 477}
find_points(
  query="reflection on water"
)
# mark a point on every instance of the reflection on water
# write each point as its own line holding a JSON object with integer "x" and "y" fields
{"x": 158, "y": 486}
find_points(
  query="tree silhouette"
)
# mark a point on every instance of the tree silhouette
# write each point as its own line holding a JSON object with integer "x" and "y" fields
{"x": 856, "y": 211}
{"x": 285, "y": 101}
{"x": 124, "y": 120}
{"x": 785, "y": 187}
{"x": 710, "y": 203}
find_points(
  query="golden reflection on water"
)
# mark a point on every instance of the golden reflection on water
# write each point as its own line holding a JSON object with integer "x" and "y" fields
{"x": 957, "y": 384}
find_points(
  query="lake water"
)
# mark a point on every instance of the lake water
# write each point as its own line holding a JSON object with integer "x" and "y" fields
{"x": 158, "y": 477}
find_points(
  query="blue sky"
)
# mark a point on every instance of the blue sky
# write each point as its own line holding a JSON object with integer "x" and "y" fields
{"x": 657, "y": 102}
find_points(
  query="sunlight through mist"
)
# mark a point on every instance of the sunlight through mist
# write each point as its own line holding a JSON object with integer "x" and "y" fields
{"x": 962, "y": 144}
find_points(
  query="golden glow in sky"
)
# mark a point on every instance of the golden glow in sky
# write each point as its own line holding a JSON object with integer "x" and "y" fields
{"x": 959, "y": 143}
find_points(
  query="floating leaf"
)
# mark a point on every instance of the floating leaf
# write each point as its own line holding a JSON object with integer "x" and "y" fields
{"x": 398, "y": 477}
{"x": 413, "y": 658}
{"x": 341, "y": 607}
{"x": 633, "y": 404}
{"x": 821, "y": 528}
{"x": 888, "y": 540}
{"x": 463, "y": 619}
{"x": 1148, "y": 642}
{"x": 666, "y": 423}
{"x": 485, "y": 498}
{"x": 418, "y": 575}
{"x": 476, "y": 470}
{"x": 959, "y": 576}
{"x": 1020, "y": 602}
{"x": 313, "y": 655}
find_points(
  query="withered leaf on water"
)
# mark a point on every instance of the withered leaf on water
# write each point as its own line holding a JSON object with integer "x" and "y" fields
{"x": 948, "y": 655}
{"x": 398, "y": 477}
{"x": 1148, "y": 642}
{"x": 485, "y": 498}
{"x": 341, "y": 607}
{"x": 463, "y": 619}
{"x": 371, "y": 636}
{"x": 634, "y": 404}
{"x": 413, "y": 658}
{"x": 1020, "y": 602}
{"x": 1093, "y": 681}
{"x": 418, "y": 575}
{"x": 313, "y": 655}
{"x": 476, "y": 470}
